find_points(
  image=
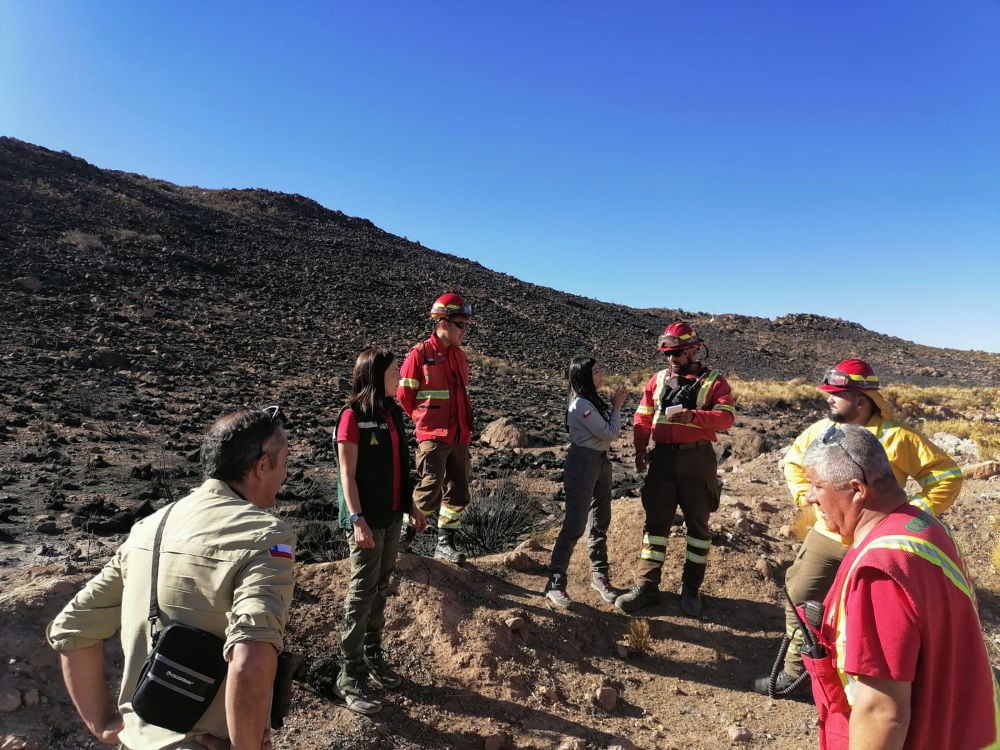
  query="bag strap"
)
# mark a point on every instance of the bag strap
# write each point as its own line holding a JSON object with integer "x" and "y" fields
{"x": 154, "y": 605}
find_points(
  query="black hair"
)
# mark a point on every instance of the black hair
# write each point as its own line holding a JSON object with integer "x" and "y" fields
{"x": 235, "y": 441}
{"x": 368, "y": 387}
{"x": 581, "y": 383}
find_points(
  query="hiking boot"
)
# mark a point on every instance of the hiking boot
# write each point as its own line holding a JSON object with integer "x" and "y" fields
{"x": 637, "y": 598}
{"x": 406, "y": 537}
{"x": 600, "y": 583}
{"x": 784, "y": 687}
{"x": 555, "y": 591}
{"x": 446, "y": 549}
{"x": 379, "y": 670}
{"x": 357, "y": 695}
{"x": 690, "y": 601}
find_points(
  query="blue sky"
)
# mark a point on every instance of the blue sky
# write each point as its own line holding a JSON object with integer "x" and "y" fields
{"x": 757, "y": 158}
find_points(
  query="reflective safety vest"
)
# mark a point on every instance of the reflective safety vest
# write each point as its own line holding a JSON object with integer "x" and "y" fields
{"x": 954, "y": 689}
{"x": 432, "y": 391}
{"x": 910, "y": 453}
{"x": 712, "y": 403}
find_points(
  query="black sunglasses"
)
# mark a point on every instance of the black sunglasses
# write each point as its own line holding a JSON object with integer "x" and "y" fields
{"x": 833, "y": 436}
{"x": 460, "y": 326}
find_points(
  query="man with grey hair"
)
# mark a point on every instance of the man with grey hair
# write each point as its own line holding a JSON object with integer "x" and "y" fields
{"x": 225, "y": 567}
{"x": 854, "y": 397}
{"x": 900, "y": 661}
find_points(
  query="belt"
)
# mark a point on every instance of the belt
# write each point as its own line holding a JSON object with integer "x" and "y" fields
{"x": 683, "y": 446}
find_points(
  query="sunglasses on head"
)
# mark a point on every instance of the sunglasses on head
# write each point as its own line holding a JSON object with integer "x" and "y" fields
{"x": 833, "y": 436}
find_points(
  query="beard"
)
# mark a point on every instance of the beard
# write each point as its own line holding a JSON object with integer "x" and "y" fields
{"x": 838, "y": 418}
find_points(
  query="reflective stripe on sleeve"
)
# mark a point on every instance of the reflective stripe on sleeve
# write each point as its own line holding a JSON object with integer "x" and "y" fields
{"x": 409, "y": 382}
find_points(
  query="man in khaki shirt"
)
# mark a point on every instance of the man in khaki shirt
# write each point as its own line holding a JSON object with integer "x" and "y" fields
{"x": 226, "y": 567}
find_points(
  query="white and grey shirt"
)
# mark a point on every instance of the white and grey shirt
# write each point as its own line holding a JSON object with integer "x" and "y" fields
{"x": 588, "y": 429}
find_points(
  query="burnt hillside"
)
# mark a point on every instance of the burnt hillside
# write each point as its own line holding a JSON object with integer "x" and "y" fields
{"x": 142, "y": 275}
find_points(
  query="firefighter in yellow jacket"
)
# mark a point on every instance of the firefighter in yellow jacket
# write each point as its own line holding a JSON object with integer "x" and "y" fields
{"x": 853, "y": 397}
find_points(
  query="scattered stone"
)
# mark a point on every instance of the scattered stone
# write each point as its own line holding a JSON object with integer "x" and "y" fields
{"x": 739, "y": 734}
{"x": 766, "y": 507}
{"x": 498, "y": 741}
{"x": 606, "y": 697}
{"x": 983, "y": 470}
{"x": 519, "y": 561}
{"x": 47, "y": 527}
{"x": 30, "y": 283}
{"x": 10, "y": 700}
{"x": 515, "y": 624}
{"x": 622, "y": 650}
{"x": 503, "y": 433}
{"x": 765, "y": 568}
{"x": 785, "y": 531}
{"x": 572, "y": 743}
{"x": 31, "y": 697}
{"x": 955, "y": 446}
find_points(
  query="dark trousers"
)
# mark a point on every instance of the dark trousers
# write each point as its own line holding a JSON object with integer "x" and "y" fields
{"x": 444, "y": 481}
{"x": 364, "y": 605}
{"x": 679, "y": 475}
{"x": 587, "y": 481}
{"x": 809, "y": 577}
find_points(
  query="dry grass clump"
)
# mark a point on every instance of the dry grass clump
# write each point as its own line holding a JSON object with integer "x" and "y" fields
{"x": 781, "y": 394}
{"x": 638, "y": 635}
{"x": 81, "y": 240}
{"x": 941, "y": 400}
{"x": 804, "y": 520}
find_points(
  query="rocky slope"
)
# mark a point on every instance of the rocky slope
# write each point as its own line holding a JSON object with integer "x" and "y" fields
{"x": 133, "y": 311}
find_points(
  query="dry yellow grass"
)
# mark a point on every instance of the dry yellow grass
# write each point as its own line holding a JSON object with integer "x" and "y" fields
{"x": 638, "y": 635}
{"x": 972, "y": 413}
{"x": 803, "y": 521}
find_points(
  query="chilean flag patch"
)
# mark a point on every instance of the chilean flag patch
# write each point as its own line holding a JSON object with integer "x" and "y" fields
{"x": 281, "y": 550}
{"x": 587, "y": 413}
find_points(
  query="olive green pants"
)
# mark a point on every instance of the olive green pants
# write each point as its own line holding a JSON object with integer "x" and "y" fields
{"x": 809, "y": 577}
{"x": 364, "y": 605}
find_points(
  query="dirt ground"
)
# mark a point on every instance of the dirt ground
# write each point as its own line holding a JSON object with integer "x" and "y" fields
{"x": 484, "y": 658}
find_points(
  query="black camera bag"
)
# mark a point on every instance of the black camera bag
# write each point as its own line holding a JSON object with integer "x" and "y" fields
{"x": 184, "y": 670}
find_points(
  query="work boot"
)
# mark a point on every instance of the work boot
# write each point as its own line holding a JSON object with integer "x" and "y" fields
{"x": 354, "y": 691}
{"x": 600, "y": 583}
{"x": 555, "y": 591}
{"x": 379, "y": 669}
{"x": 690, "y": 600}
{"x": 406, "y": 537}
{"x": 784, "y": 687}
{"x": 639, "y": 597}
{"x": 446, "y": 549}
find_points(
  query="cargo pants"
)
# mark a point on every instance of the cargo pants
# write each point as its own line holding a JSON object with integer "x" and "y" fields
{"x": 684, "y": 475}
{"x": 364, "y": 605}
{"x": 810, "y": 577}
{"x": 444, "y": 481}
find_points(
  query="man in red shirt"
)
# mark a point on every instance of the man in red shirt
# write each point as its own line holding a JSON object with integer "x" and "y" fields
{"x": 681, "y": 409}
{"x": 432, "y": 390}
{"x": 903, "y": 663}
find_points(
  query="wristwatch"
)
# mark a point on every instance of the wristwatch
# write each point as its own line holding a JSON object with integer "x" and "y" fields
{"x": 355, "y": 516}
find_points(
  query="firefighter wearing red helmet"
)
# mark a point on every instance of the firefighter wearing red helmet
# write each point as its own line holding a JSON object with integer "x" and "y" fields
{"x": 433, "y": 390}
{"x": 682, "y": 408}
{"x": 853, "y": 397}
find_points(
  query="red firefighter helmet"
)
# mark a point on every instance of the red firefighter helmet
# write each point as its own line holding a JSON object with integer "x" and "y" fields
{"x": 449, "y": 306}
{"x": 850, "y": 373}
{"x": 856, "y": 374}
{"x": 677, "y": 337}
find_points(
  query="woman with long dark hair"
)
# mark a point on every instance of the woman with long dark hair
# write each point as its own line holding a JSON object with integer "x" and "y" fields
{"x": 374, "y": 492}
{"x": 593, "y": 425}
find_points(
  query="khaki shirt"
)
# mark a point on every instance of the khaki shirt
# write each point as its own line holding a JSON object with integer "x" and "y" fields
{"x": 217, "y": 573}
